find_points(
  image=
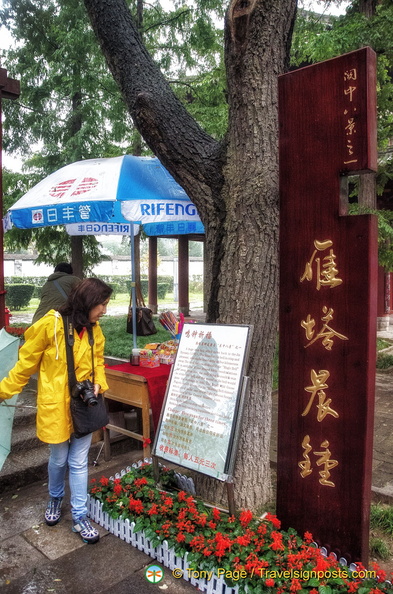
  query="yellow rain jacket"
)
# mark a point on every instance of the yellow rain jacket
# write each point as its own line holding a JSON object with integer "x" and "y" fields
{"x": 44, "y": 352}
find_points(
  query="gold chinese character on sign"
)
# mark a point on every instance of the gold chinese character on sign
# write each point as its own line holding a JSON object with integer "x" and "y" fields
{"x": 324, "y": 460}
{"x": 319, "y": 386}
{"x": 350, "y": 91}
{"x": 305, "y": 465}
{"x": 327, "y": 464}
{"x": 326, "y": 274}
{"x": 326, "y": 333}
{"x": 350, "y": 74}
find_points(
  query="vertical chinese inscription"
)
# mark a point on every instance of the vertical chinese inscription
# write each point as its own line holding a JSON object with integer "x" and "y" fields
{"x": 350, "y": 111}
{"x": 326, "y": 276}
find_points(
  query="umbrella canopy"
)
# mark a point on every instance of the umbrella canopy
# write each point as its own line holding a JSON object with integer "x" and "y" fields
{"x": 114, "y": 190}
{"x": 108, "y": 191}
{"x": 9, "y": 346}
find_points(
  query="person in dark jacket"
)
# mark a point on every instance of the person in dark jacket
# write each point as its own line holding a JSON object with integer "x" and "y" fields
{"x": 55, "y": 291}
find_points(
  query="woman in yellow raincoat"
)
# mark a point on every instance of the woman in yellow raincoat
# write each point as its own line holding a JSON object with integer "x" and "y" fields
{"x": 45, "y": 352}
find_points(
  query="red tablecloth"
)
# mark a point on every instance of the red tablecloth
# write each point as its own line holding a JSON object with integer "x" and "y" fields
{"x": 156, "y": 378}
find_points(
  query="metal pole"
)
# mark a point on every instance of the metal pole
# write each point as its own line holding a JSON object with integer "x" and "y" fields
{"x": 133, "y": 289}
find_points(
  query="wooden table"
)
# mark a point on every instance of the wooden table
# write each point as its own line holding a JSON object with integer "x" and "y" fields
{"x": 130, "y": 385}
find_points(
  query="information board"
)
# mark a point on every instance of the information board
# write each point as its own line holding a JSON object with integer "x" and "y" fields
{"x": 201, "y": 414}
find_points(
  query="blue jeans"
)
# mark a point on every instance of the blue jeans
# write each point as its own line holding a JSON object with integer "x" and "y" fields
{"x": 74, "y": 454}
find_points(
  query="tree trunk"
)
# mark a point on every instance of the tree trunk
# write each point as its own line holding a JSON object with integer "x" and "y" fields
{"x": 233, "y": 184}
{"x": 367, "y": 7}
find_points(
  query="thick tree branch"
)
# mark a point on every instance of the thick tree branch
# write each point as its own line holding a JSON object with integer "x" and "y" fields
{"x": 159, "y": 116}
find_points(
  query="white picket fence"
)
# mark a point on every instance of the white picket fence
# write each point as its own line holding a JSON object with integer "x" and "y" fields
{"x": 165, "y": 555}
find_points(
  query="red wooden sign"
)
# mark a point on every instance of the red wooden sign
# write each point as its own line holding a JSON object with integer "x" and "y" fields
{"x": 327, "y": 304}
{"x": 9, "y": 89}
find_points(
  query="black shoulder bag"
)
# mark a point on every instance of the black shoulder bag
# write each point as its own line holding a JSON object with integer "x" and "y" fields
{"x": 144, "y": 316}
{"x": 88, "y": 412}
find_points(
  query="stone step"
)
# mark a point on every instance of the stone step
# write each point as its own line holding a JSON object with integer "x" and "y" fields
{"x": 24, "y": 467}
{"x": 28, "y": 397}
{"x": 24, "y": 438}
{"x": 28, "y": 459}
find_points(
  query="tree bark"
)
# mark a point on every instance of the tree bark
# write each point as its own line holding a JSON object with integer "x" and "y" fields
{"x": 234, "y": 185}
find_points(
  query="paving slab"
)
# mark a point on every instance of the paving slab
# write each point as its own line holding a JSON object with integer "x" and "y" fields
{"x": 16, "y": 555}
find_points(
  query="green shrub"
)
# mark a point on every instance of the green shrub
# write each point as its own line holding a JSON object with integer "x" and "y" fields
{"x": 381, "y": 517}
{"x": 384, "y": 361}
{"x": 162, "y": 289}
{"x": 196, "y": 283}
{"x": 379, "y": 548}
{"x": 144, "y": 288}
{"x": 18, "y": 295}
{"x": 115, "y": 288}
{"x": 168, "y": 280}
{"x": 118, "y": 279}
{"x": 37, "y": 281}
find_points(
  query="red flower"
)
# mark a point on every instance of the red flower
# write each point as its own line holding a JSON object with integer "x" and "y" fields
{"x": 180, "y": 537}
{"x": 201, "y": 519}
{"x": 277, "y": 544}
{"x": 243, "y": 540}
{"x": 146, "y": 442}
{"x": 118, "y": 489}
{"x": 216, "y": 514}
{"x": 104, "y": 481}
{"x": 245, "y": 517}
{"x": 198, "y": 542}
{"x": 153, "y": 511}
{"x": 308, "y": 537}
{"x": 381, "y": 574}
{"x": 136, "y": 505}
{"x": 295, "y": 585}
{"x": 322, "y": 564}
{"x": 140, "y": 482}
{"x": 273, "y": 519}
{"x": 269, "y": 583}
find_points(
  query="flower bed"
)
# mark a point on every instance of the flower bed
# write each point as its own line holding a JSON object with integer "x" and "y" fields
{"x": 16, "y": 330}
{"x": 248, "y": 554}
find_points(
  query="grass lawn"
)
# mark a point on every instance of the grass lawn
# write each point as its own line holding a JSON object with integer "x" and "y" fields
{"x": 119, "y": 344}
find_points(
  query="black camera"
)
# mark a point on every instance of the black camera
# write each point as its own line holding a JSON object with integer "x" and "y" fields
{"x": 85, "y": 390}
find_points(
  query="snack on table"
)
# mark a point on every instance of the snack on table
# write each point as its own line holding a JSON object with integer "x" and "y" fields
{"x": 152, "y": 346}
{"x": 167, "y": 351}
{"x": 149, "y": 358}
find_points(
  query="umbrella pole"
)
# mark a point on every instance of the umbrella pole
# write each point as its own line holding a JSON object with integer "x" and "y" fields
{"x": 133, "y": 289}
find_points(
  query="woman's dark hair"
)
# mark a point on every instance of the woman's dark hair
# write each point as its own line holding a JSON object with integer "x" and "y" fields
{"x": 89, "y": 293}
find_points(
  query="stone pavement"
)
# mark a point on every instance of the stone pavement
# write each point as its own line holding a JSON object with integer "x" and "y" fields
{"x": 35, "y": 558}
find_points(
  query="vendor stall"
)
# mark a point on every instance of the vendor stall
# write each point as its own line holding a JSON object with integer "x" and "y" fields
{"x": 142, "y": 388}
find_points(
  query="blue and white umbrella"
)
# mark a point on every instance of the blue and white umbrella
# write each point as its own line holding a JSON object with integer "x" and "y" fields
{"x": 95, "y": 194}
{"x": 114, "y": 190}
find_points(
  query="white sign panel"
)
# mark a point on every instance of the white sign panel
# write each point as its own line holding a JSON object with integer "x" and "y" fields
{"x": 200, "y": 412}
{"x": 101, "y": 229}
